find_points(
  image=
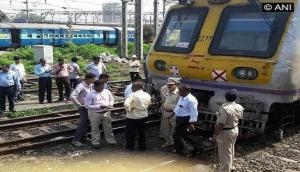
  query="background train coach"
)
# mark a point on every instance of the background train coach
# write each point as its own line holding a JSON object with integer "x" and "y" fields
{"x": 23, "y": 34}
{"x": 217, "y": 45}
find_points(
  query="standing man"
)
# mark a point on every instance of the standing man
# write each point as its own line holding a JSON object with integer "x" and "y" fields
{"x": 74, "y": 73}
{"x": 9, "y": 83}
{"x": 186, "y": 113}
{"x": 78, "y": 98}
{"x": 61, "y": 73}
{"x": 96, "y": 68}
{"x": 134, "y": 67}
{"x": 226, "y": 130}
{"x": 168, "y": 105}
{"x": 18, "y": 67}
{"x": 136, "y": 106}
{"x": 98, "y": 103}
{"x": 43, "y": 71}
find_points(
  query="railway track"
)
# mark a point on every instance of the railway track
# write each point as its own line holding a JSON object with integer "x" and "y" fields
{"x": 117, "y": 87}
{"x": 53, "y": 128}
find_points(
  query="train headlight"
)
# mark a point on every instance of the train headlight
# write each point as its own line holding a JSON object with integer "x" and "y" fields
{"x": 245, "y": 73}
{"x": 185, "y": 2}
{"x": 160, "y": 65}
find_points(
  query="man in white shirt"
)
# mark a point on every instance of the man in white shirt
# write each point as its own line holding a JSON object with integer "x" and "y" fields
{"x": 186, "y": 113}
{"x": 96, "y": 68}
{"x": 19, "y": 68}
{"x": 136, "y": 106}
{"x": 134, "y": 67}
{"x": 78, "y": 98}
{"x": 74, "y": 73}
{"x": 44, "y": 71}
{"x": 98, "y": 103}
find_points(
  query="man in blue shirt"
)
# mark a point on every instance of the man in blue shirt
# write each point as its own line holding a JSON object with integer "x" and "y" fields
{"x": 44, "y": 71}
{"x": 186, "y": 113}
{"x": 9, "y": 84}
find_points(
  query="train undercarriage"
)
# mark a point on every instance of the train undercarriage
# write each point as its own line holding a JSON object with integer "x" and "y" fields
{"x": 255, "y": 121}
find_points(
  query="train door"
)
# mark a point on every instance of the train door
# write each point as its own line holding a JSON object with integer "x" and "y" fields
{"x": 105, "y": 37}
{"x": 51, "y": 37}
{"x": 39, "y": 37}
{"x": 15, "y": 37}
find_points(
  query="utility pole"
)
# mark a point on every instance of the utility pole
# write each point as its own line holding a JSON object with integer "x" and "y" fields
{"x": 164, "y": 7}
{"x": 124, "y": 42}
{"x": 156, "y": 17}
{"x": 139, "y": 29}
{"x": 27, "y": 12}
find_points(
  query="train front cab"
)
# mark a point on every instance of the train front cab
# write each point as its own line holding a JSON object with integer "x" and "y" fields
{"x": 216, "y": 47}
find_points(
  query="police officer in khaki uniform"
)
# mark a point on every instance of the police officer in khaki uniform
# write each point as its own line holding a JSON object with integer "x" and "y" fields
{"x": 134, "y": 67}
{"x": 226, "y": 130}
{"x": 163, "y": 93}
{"x": 168, "y": 120}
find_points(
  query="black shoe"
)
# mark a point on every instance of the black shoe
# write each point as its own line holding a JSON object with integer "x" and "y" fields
{"x": 12, "y": 110}
{"x": 96, "y": 146}
{"x": 1, "y": 112}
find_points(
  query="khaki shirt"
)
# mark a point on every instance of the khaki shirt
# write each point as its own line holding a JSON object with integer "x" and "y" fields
{"x": 171, "y": 100}
{"x": 229, "y": 114}
{"x": 163, "y": 93}
{"x": 134, "y": 66}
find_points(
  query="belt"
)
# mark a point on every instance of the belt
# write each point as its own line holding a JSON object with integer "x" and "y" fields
{"x": 227, "y": 128}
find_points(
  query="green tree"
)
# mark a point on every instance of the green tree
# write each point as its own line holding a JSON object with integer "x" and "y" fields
{"x": 3, "y": 17}
{"x": 21, "y": 18}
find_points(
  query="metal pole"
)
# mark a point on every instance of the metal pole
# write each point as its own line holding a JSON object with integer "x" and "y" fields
{"x": 164, "y": 8}
{"x": 139, "y": 29}
{"x": 27, "y": 12}
{"x": 156, "y": 18}
{"x": 124, "y": 43}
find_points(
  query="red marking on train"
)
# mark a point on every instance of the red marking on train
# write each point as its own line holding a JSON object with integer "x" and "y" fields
{"x": 219, "y": 75}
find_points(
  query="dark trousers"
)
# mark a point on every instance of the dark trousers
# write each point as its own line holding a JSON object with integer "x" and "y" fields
{"x": 83, "y": 126}
{"x": 19, "y": 93}
{"x": 134, "y": 74}
{"x": 133, "y": 126}
{"x": 9, "y": 93}
{"x": 45, "y": 85}
{"x": 62, "y": 82}
{"x": 182, "y": 124}
{"x": 74, "y": 82}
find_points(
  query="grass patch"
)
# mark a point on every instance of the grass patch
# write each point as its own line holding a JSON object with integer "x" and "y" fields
{"x": 40, "y": 111}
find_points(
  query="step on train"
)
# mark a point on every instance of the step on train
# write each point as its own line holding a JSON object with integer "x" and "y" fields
{"x": 26, "y": 34}
{"x": 217, "y": 45}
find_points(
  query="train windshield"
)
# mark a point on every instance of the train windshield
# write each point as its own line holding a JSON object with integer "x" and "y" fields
{"x": 181, "y": 30}
{"x": 245, "y": 31}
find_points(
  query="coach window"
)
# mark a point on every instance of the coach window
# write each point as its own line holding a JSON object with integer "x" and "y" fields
{"x": 29, "y": 35}
{"x": 38, "y": 36}
{"x": 245, "y": 31}
{"x": 181, "y": 30}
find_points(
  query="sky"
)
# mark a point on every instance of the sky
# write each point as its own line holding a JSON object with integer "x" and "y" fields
{"x": 39, "y": 6}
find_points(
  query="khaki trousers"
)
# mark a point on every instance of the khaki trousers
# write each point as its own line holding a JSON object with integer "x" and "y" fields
{"x": 226, "y": 142}
{"x": 96, "y": 119}
{"x": 168, "y": 127}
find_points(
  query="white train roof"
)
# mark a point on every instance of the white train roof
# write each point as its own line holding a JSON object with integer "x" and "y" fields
{"x": 53, "y": 26}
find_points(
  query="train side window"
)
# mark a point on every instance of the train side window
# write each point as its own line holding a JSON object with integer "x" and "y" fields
{"x": 75, "y": 36}
{"x": 80, "y": 36}
{"x": 46, "y": 35}
{"x": 245, "y": 31}
{"x": 56, "y": 35}
{"x": 29, "y": 35}
{"x": 38, "y": 36}
{"x": 181, "y": 29}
